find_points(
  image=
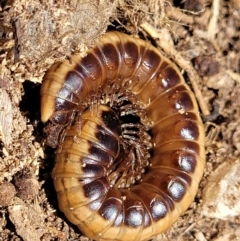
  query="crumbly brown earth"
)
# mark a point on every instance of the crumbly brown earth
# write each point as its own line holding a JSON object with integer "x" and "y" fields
{"x": 202, "y": 36}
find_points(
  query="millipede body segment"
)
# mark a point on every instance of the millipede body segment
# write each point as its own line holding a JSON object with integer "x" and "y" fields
{"x": 83, "y": 100}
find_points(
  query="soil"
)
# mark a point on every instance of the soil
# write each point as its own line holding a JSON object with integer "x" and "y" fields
{"x": 201, "y": 36}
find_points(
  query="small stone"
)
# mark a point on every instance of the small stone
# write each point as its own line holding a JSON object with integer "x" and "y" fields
{"x": 221, "y": 195}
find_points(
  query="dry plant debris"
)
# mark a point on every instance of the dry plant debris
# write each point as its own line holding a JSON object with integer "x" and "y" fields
{"x": 5, "y": 117}
{"x": 203, "y": 38}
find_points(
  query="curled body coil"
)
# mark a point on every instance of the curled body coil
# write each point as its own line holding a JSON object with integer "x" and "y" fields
{"x": 101, "y": 210}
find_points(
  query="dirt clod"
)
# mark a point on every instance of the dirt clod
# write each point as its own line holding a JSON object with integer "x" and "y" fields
{"x": 193, "y": 5}
{"x": 26, "y": 184}
{"x": 7, "y": 192}
{"x": 27, "y": 220}
{"x": 206, "y": 65}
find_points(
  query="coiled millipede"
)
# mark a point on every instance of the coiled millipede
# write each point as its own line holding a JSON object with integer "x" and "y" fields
{"x": 130, "y": 139}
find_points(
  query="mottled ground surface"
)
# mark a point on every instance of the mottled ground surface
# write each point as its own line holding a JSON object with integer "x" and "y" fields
{"x": 201, "y": 36}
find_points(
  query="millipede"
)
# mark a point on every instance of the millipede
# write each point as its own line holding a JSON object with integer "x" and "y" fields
{"x": 130, "y": 140}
